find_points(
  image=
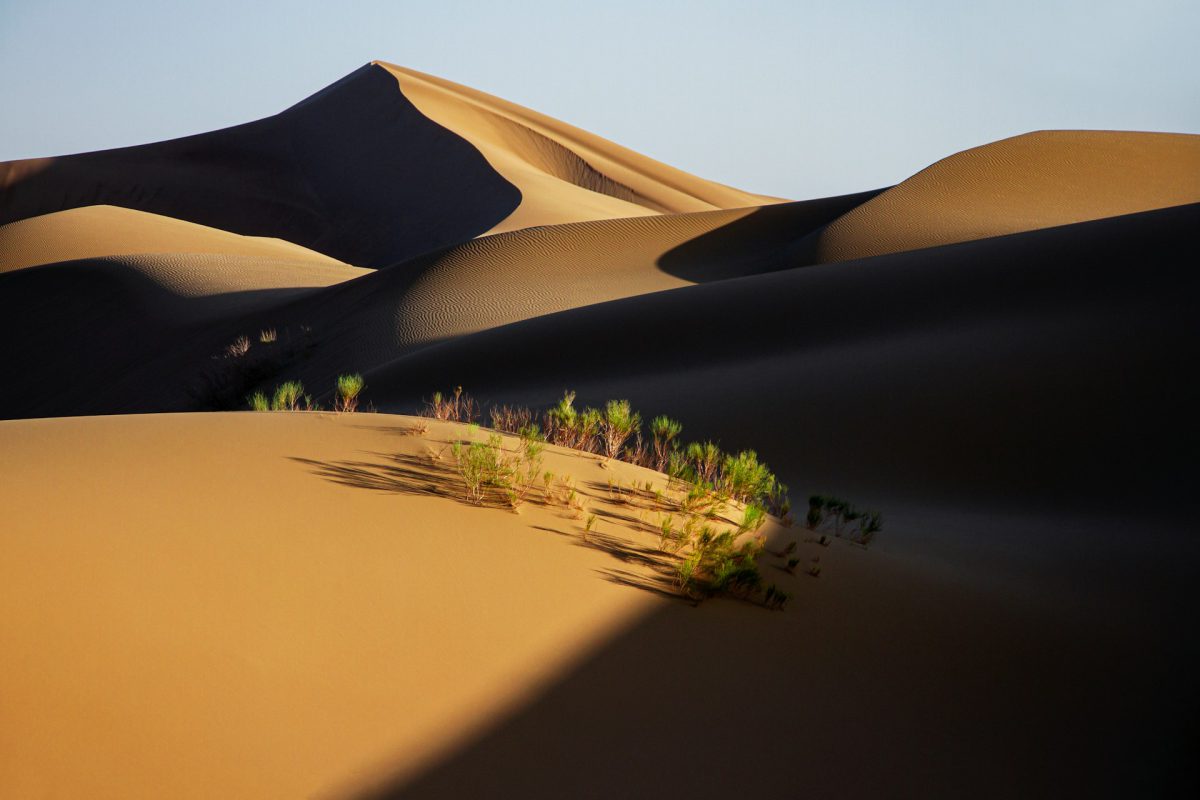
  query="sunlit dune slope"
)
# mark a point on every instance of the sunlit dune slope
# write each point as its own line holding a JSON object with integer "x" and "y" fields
{"x": 298, "y": 605}
{"x": 564, "y": 174}
{"x": 98, "y": 231}
{"x": 1038, "y": 180}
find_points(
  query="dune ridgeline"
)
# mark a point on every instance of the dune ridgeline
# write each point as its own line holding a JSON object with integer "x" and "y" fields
{"x": 196, "y": 600}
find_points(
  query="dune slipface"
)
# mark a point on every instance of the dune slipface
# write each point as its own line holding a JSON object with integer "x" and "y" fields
{"x": 995, "y": 353}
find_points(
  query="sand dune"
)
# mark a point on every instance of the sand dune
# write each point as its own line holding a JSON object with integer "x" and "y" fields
{"x": 995, "y": 353}
{"x": 564, "y": 174}
{"x": 1028, "y": 182}
{"x": 379, "y": 167}
{"x": 931, "y": 373}
{"x": 98, "y": 231}
{"x": 297, "y": 618}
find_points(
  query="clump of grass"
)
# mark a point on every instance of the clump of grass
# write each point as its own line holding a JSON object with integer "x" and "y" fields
{"x": 718, "y": 564}
{"x": 589, "y": 525}
{"x": 703, "y": 460}
{"x": 348, "y": 389}
{"x": 510, "y": 419}
{"x": 569, "y": 427}
{"x": 289, "y": 396}
{"x": 753, "y": 518}
{"x": 456, "y": 407}
{"x": 268, "y": 336}
{"x": 488, "y": 466}
{"x": 664, "y": 432}
{"x": 238, "y": 348}
{"x": 259, "y": 402}
{"x": 479, "y": 465}
{"x": 744, "y": 478}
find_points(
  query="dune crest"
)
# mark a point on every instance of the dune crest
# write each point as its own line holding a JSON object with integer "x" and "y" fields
{"x": 565, "y": 174}
{"x": 1037, "y": 180}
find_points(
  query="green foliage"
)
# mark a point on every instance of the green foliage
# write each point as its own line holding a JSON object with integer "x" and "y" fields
{"x": 480, "y": 466}
{"x": 753, "y": 518}
{"x": 288, "y": 396}
{"x": 620, "y": 422}
{"x": 718, "y": 565}
{"x": 744, "y": 478}
{"x": 488, "y": 466}
{"x": 665, "y": 431}
{"x": 348, "y": 389}
{"x": 259, "y": 402}
{"x": 703, "y": 461}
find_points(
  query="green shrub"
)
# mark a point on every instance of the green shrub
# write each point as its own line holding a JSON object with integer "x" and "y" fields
{"x": 259, "y": 402}
{"x": 744, "y": 478}
{"x": 664, "y": 432}
{"x": 753, "y": 518}
{"x": 479, "y": 463}
{"x": 620, "y": 422}
{"x": 704, "y": 460}
{"x": 288, "y": 396}
{"x": 348, "y": 389}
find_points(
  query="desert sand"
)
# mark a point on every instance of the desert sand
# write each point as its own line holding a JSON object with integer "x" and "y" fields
{"x": 197, "y": 600}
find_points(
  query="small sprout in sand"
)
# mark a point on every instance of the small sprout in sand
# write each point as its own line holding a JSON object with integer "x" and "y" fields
{"x": 588, "y": 526}
{"x": 239, "y": 348}
{"x": 348, "y": 389}
{"x": 814, "y": 569}
{"x": 259, "y": 402}
{"x": 267, "y": 336}
{"x": 792, "y": 563}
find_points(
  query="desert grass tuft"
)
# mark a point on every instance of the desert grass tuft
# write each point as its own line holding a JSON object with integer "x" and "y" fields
{"x": 348, "y": 389}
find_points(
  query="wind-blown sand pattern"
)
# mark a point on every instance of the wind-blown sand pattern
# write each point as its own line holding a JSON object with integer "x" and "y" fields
{"x": 995, "y": 352}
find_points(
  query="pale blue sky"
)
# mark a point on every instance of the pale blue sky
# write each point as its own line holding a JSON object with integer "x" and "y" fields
{"x": 782, "y": 97}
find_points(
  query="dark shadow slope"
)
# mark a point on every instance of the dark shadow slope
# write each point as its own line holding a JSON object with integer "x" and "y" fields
{"x": 723, "y": 253}
{"x": 355, "y": 172}
{"x": 1051, "y": 365}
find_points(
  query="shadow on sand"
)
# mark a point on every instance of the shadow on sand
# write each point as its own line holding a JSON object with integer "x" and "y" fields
{"x": 428, "y": 476}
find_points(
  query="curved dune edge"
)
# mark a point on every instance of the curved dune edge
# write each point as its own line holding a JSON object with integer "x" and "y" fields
{"x": 504, "y": 278}
{"x": 1037, "y": 180}
{"x": 565, "y": 174}
{"x": 104, "y": 230}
